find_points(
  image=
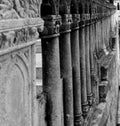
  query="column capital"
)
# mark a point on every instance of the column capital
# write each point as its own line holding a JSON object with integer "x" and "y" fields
{"x": 85, "y": 109}
{"x": 66, "y": 22}
{"x": 52, "y": 25}
{"x": 76, "y": 20}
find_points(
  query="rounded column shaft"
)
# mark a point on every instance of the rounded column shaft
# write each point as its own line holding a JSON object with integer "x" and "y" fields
{"x": 52, "y": 86}
{"x": 66, "y": 74}
{"x": 76, "y": 77}
{"x": 83, "y": 72}
{"x": 88, "y": 78}
{"x": 92, "y": 59}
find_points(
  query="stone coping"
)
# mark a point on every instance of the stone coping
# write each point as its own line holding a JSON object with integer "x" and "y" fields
{"x": 15, "y": 24}
{"x": 102, "y": 111}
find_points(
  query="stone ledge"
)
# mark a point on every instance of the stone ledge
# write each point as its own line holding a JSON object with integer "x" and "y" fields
{"x": 14, "y": 24}
{"x": 104, "y": 111}
{"x": 99, "y": 118}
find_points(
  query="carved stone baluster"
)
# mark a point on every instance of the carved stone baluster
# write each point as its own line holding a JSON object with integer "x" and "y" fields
{"x": 65, "y": 62}
{"x": 52, "y": 85}
{"x": 76, "y": 65}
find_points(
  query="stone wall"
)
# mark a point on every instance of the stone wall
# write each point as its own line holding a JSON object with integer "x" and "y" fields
{"x": 20, "y": 23}
{"x": 106, "y": 111}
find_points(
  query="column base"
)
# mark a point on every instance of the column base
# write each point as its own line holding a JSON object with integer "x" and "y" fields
{"x": 90, "y": 99}
{"x": 78, "y": 120}
{"x": 85, "y": 109}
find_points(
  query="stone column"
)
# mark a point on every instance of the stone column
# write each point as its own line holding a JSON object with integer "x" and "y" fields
{"x": 105, "y": 31}
{"x": 66, "y": 69}
{"x": 92, "y": 59}
{"x": 96, "y": 63}
{"x": 76, "y": 70}
{"x": 100, "y": 38}
{"x": 97, "y": 32}
{"x": 104, "y": 34}
{"x": 91, "y": 38}
{"x": 83, "y": 68}
{"x": 99, "y": 46}
{"x": 108, "y": 32}
{"x": 95, "y": 41}
{"x": 87, "y": 60}
{"x": 52, "y": 86}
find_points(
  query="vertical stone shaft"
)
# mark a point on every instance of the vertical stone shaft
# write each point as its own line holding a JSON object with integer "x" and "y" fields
{"x": 83, "y": 71}
{"x": 66, "y": 74}
{"x": 104, "y": 30}
{"x": 97, "y": 36}
{"x": 52, "y": 86}
{"x": 91, "y": 38}
{"x": 99, "y": 47}
{"x": 88, "y": 78}
{"x": 102, "y": 35}
{"x": 76, "y": 76}
{"x": 95, "y": 84}
{"x": 96, "y": 63}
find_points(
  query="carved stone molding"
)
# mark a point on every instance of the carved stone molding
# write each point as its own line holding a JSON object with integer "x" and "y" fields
{"x": 76, "y": 20}
{"x": 15, "y": 89}
{"x": 19, "y": 8}
{"x": 66, "y": 22}
{"x": 85, "y": 110}
{"x": 52, "y": 24}
{"x": 14, "y": 32}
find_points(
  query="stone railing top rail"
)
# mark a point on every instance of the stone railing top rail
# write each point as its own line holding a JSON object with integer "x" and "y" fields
{"x": 15, "y": 24}
{"x": 106, "y": 4}
{"x": 18, "y": 33}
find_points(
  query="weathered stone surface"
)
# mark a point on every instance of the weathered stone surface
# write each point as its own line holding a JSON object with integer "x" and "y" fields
{"x": 15, "y": 105}
{"x": 19, "y": 26}
{"x": 19, "y": 9}
{"x": 105, "y": 112}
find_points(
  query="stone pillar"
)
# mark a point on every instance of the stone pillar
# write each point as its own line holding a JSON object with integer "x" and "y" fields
{"x": 99, "y": 27}
{"x": 104, "y": 35}
{"x": 99, "y": 47}
{"x": 83, "y": 69}
{"x": 97, "y": 34}
{"x": 87, "y": 60}
{"x": 108, "y": 30}
{"x": 76, "y": 70}
{"x": 96, "y": 63}
{"x": 52, "y": 86}
{"x": 95, "y": 84}
{"x": 66, "y": 70}
{"x": 105, "y": 32}
{"x": 91, "y": 38}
